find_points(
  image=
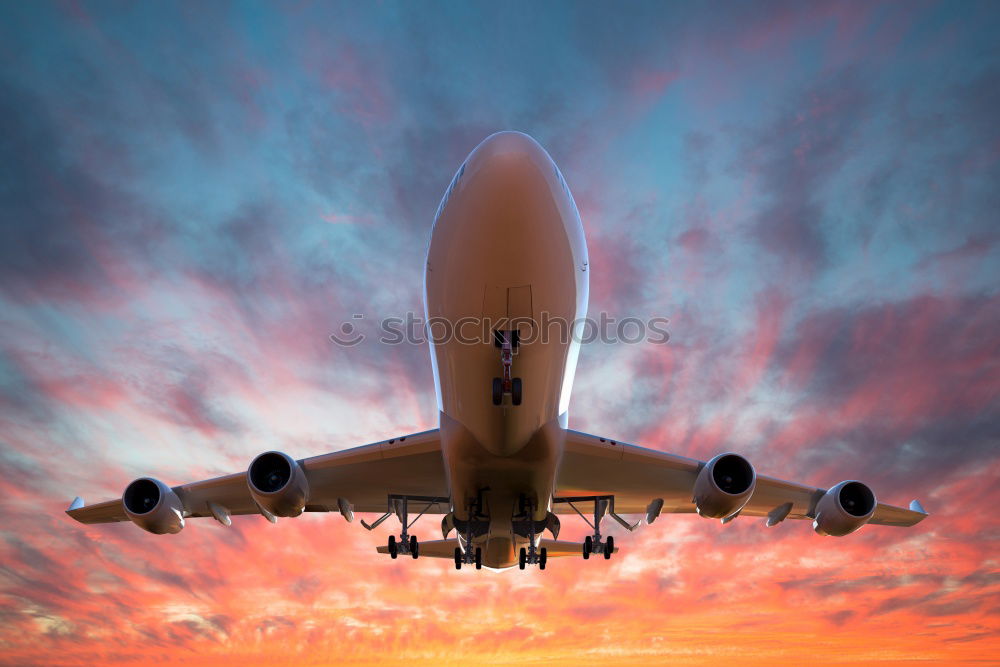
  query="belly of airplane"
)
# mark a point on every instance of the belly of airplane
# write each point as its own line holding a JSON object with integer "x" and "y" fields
{"x": 507, "y": 254}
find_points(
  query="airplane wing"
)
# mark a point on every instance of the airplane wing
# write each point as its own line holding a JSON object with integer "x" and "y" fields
{"x": 364, "y": 476}
{"x": 637, "y": 477}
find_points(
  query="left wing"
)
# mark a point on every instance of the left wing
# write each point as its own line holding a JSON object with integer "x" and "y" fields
{"x": 363, "y": 476}
{"x": 637, "y": 477}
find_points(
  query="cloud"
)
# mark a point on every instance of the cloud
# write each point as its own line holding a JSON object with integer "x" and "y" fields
{"x": 61, "y": 223}
{"x": 839, "y": 618}
{"x": 795, "y": 157}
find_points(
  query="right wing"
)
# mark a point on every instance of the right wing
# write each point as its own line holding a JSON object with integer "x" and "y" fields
{"x": 364, "y": 476}
{"x": 636, "y": 476}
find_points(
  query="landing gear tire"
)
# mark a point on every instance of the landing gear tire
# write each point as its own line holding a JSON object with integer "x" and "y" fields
{"x": 393, "y": 551}
{"x": 479, "y": 558}
{"x": 543, "y": 556}
{"x": 414, "y": 547}
{"x": 458, "y": 558}
{"x": 497, "y": 391}
{"x": 609, "y": 548}
{"x": 522, "y": 558}
{"x": 515, "y": 391}
{"x": 588, "y": 546}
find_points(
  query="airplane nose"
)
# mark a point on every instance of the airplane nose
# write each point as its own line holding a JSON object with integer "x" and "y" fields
{"x": 506, "y": 149}
{"x": 508, "y": 142}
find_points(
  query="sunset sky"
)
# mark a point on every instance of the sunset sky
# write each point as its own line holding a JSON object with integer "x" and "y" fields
{"x": 194, "y": 196}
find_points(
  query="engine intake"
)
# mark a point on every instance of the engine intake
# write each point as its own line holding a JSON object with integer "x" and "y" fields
{"x": 724, "y": 486}
{"x": 153, "y": 506}
{"x": 278, "y": 484}
{"x": 844, "y": 508}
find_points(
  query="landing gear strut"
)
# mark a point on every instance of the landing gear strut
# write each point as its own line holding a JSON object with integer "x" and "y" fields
{"x": 472, "y": 555}
{"x": 400, "y": 505}
{"x": 507, "y": 341}
{"x": 603, "y": 505}
{"x": 530, "y": 555}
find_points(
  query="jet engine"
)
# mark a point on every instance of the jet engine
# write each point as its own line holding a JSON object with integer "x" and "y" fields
{"x": 724, "y": 486}
{"x": 844, "y": 508}
{"x": 278, "y": 484}
{"x": 153, "y": 506}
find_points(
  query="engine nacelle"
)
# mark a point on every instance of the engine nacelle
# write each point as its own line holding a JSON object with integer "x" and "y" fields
{"x": 278, "y": 484}
{"x": 153, "y": 506}
{"x": 844, "y": 508}
{"x": 724, "y": 486}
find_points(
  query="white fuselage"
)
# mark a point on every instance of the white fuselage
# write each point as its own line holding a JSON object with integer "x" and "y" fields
{"x": 507, "y": 251}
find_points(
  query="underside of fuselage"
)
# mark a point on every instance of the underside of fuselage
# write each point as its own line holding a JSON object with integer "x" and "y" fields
{"x": 507, "y": 254}
{"x": 502, "y": 492}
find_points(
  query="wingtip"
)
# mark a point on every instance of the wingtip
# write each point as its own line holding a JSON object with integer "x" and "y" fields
{"x": 76, "y": 504}
{"x": 915, "y": 506}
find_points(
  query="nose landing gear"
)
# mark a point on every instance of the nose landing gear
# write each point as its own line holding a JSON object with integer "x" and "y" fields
{"x": 507, "y": 341}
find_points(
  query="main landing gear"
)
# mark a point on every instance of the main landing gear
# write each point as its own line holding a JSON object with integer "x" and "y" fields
{"x": 507, "y": 341}
{"x": 399, "y": 505}
{"x": 603, "y": 506}
{"x": 524, "y": 524}
{"x": 467, "y": 558}
{"x": 529, "y": 556}
{"x": 476, "y": 525}
{"x": 411, "y": 547}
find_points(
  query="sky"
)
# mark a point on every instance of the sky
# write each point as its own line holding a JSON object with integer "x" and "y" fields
{"x": 194, "y": 196}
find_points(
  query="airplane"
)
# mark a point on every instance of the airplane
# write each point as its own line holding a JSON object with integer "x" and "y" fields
{"x": 507, "y": 245}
